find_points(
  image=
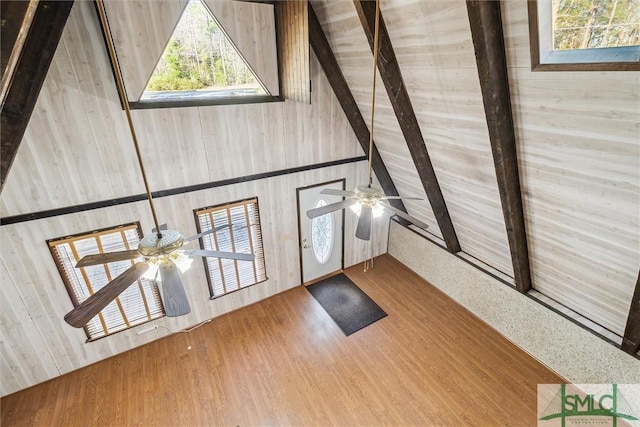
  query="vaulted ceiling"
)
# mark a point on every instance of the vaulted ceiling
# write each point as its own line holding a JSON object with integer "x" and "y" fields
{"x": 451, "y": 67}
{"x": 533, "y": 176}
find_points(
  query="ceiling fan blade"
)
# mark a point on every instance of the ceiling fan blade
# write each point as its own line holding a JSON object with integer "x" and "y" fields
{"x": 364, "y": 223}
{"x": 89, "y": 308}
{"x": 406, "y": 216}
{"x": 204, "y": 233}
{"x": 217, "y": 254}
{"x": 400, "y": 198}
{"x": 108, "y": 257}
{"x": 316, "y": 212}
{"x": 332, "y": 192}
{"x": 174, "y": 297}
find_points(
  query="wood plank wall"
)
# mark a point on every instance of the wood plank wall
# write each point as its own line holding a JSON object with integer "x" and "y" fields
{"x": 432, "y": 42}
{"x": 22, "y": 81}
{"x": 293, "y": 46}
{"x": 283, "y": 361}
{"x": 579, "y": 147}
{"x": 77, "y": 150}
{"x": 36, "y": 344}
{"x": 141, "y": 30}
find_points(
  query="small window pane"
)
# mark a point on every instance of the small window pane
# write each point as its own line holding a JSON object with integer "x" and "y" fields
{"x": 242, "y": 235}
{"x": 584, "y": 35}
{"x": 139, "y": 303}
{"x": 322, "y": 234}
{"x": 589, "y": 24}
{"x": 200, "y": 63}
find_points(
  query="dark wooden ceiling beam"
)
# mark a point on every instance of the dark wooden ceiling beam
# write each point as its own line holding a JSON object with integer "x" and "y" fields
{"x": 631, "y": 338}
{"x": 488, "y": 42}
{"x": 327, "y": 59}
{"x": 14, "y": 16}
{"x": 398, "y": 95}
{"x": 31, "y": 68}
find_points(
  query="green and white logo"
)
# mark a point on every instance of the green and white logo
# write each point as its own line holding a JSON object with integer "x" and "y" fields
{"x": 574, "y": 405}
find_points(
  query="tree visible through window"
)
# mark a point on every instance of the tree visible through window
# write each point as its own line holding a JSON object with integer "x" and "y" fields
{"x": 242, "y": 234}
{"x": 200, "y": 62}
{"x": 585, "y": 35}
{"x": 139, "y": 303}
{"x": 585, "y": 24}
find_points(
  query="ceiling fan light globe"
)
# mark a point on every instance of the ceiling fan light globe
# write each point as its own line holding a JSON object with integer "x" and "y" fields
{"x": 182, "y": 261}
{"x": 368, "y": 195}
{"x": 152, "y": 272}
{"x": 378, "y": 210}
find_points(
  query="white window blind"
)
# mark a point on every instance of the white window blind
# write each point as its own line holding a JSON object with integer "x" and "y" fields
{"x": 242, "y": 234}
{"x": 139, "y": 303}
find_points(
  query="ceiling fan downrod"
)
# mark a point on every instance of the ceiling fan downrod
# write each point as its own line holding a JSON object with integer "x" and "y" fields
{"x": 122, "y": 91}
{"x": 376, "y": 37}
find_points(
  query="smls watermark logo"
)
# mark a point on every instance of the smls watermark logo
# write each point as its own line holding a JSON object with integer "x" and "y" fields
{"x": 575, "y": 405}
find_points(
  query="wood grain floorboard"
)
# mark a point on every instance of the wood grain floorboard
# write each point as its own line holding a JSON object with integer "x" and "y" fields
{"x": 283, "y": 361}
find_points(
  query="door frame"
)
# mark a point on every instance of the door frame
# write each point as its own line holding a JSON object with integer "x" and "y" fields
{"x": 344, "y": 183}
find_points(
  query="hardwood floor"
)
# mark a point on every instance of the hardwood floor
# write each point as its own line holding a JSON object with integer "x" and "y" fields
{"x": 283, "y": 361}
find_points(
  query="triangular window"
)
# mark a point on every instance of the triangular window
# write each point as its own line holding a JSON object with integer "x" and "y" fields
{"x": 201, "y": 63}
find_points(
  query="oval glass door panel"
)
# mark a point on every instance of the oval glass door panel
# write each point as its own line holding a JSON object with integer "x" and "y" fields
{"x": 322, "y": 230}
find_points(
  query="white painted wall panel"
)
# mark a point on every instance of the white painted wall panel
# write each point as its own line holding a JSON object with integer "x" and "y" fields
{"x": 433, "y": 46}
{"x": 77, "y": 148}
{"x": 578, "y": 136}
{"x": 579, "y": 146}
{"x": 346, "y": 37}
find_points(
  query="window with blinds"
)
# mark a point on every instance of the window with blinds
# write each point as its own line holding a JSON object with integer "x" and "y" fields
{"x": 139, "y": 303}
{"x": 241, "y": 234}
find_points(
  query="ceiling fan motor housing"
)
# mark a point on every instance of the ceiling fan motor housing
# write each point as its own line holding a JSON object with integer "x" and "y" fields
{"x": 154, "y": 246}
{"x": 368, "y": 195}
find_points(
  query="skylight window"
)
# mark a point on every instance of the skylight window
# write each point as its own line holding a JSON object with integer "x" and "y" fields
{"x": 595, "y": 24}
{"x": 585, "y": 35}
{"x": 201, "y": 63}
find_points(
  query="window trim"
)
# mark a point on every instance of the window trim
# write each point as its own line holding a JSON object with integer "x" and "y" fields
{"x": 228, "y": 205}
{"x": 52, "y": 243}
{"x": 147, "y": 105}
{"x": 268, "y": 97}
{"x": 543, "y": 58}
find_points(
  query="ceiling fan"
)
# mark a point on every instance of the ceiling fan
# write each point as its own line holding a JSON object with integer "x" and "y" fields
{"x": 160, "y": 249}
{"x": 366, "y": 200}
